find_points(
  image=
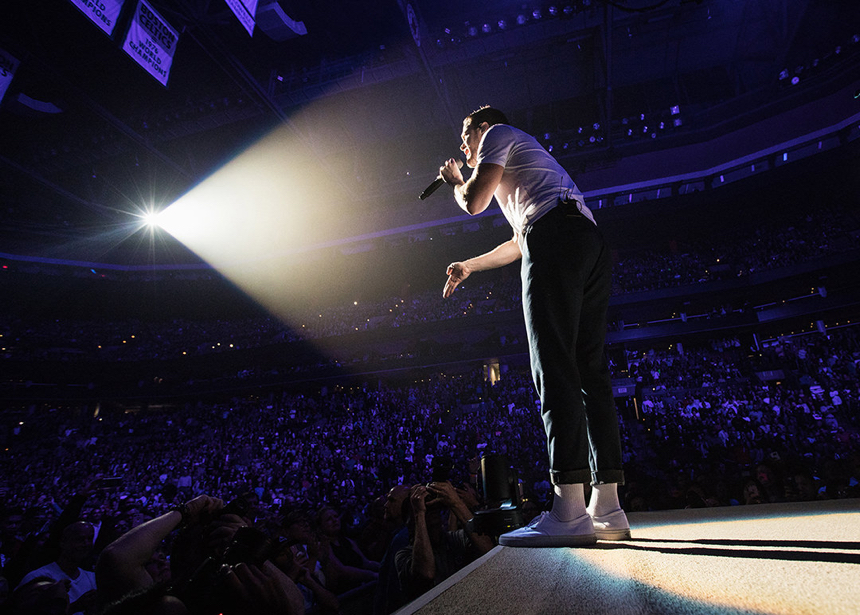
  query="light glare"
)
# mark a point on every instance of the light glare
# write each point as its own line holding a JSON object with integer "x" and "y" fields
{"x": 151, "y": 219}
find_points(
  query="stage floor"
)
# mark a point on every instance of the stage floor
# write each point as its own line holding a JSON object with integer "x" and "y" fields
{"x": 801, "y": 558}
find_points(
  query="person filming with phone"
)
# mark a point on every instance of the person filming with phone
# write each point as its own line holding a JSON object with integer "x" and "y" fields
{"x": 434, "y": 552}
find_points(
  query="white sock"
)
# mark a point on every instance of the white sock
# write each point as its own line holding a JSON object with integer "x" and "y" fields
{"x": 569, "y": 502}
{"x": 604, "y": 499}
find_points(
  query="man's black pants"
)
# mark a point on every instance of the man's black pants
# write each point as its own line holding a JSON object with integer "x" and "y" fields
{"x": 566, "y": 274}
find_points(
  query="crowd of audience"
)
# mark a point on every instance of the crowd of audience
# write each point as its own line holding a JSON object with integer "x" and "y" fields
{"x": 748, "y": 249}
{"x": 777, "y": 243}
{"x": 714, "y": 432}
{"x": 329, "y": 477}
{"x": 357, "y": 497}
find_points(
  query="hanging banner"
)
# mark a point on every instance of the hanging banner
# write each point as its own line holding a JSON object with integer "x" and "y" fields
{"x": 151, "y": 41}
{"x": 245, "y": 11}
{"x": 103, "y": 13}
{"x": 8, "y": 66}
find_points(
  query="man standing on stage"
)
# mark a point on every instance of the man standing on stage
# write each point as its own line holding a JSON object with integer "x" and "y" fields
{"x": 566, "y": 275}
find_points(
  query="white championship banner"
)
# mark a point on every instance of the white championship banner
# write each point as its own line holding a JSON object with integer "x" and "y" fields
{"x": 245, "y": 11}
{"x": 151, "y": 42}
{"x": 103, "y": 13}
{"x": 8, "y": 66}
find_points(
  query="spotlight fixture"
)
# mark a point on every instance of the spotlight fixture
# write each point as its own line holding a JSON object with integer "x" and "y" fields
{"x": 486, "y": 28}
{"x": 536, "y": 14}
{"x": 521, "y": 19}
{"x": 553, "y": 10}
{"x": 503, "y": 25}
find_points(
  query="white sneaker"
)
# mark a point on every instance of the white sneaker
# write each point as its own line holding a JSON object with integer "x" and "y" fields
{"x": 545, "y": 531}
{"x": 613, "y": 526}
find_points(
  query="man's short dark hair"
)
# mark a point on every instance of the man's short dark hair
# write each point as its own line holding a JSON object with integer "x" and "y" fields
{"x": 487, "y": 114}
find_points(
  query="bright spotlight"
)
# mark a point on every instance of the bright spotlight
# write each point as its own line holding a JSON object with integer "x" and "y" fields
{"x": 150, "y": 219}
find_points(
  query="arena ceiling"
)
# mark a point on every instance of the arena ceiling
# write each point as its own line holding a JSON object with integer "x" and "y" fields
{"x": 372, "y": 96}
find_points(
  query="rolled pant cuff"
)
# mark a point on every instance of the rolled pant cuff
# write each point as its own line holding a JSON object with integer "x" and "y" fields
{"x": 572, "y": 477}
{"x": 604, "y": 477}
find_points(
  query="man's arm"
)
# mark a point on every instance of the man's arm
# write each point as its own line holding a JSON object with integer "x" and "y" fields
{"x": 336, "y": 572}
{"x": 366, "y": 563}
{"x": 499, "y": 256}
{"x": 327, "y": 600}
{"x": 423, "y": 561}
{"x": 121, "y": 566}
{"x": 457, "y": 506}
{"x": 473, "y": 196}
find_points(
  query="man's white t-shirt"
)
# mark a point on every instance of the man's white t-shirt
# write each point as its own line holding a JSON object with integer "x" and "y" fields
{"x": 85, "y": 582}
{"x": 532, "y": 182}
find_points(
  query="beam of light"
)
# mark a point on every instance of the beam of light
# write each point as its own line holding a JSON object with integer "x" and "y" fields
{"x": 273, "y": 220}
{"x": 256, "y": 219}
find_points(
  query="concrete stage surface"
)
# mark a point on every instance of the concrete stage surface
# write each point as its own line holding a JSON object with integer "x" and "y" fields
{"x": 799, "y": 558}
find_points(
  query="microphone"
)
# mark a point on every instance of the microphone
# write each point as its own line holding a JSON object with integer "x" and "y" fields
{"x": 436, "y": 183}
